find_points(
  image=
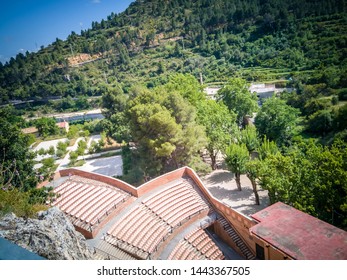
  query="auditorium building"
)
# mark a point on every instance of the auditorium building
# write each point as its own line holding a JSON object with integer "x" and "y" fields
{"x": 175, "y": 217}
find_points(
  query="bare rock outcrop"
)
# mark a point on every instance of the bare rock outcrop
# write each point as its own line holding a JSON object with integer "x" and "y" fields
{"x": 51, "y": 236}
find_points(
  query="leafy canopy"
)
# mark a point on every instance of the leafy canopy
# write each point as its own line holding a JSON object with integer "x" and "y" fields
{"x": 311, "y": 178}
{"x": 277, "y": 120}
{"x": 237, "y": 97}
{"x": 15, "y": 156}
{"x": 219, "y": 124}
{"x": 163, "y": 126}
{"x": 249, "y": 137}
{"x": 236, "y": 158}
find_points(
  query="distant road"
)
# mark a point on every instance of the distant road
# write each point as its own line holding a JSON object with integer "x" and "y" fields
{"x": 74, "y": 116}
{"x": 18, "y": 102}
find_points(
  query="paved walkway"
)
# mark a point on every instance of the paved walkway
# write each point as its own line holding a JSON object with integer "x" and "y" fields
{"x": 109, "y": 166}
{"x": 222, "y": 185}
{"x": 98, "y": 155}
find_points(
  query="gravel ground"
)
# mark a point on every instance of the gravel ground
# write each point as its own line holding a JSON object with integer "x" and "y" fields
{"x": 222, "y": 185}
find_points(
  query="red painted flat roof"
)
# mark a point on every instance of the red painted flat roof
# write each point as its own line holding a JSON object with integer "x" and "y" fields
{"x": 300, "y": 235}
{"x": 62, "y": 124}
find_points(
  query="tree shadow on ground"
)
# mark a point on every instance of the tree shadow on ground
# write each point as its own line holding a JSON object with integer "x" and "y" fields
{"x": 219, "y": 177}
{"x": 242, "y": 201}
{"x": 102, "y": 166}
{"x": 234, "y": 195}
{"x": 222, "y": 185}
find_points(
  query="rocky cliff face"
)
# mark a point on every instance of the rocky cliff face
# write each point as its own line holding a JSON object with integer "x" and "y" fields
{"x": 51, "y": 236}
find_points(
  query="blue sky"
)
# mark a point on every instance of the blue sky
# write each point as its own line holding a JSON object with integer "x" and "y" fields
{"x": 26, "y": 25}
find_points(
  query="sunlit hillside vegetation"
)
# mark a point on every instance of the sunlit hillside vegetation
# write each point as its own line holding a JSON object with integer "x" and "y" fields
{"x": 259, "y": 40}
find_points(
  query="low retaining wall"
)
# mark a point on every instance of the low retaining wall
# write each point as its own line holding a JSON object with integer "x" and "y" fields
{"x": 101, "y": 178}
{"x": 137, "y": 192}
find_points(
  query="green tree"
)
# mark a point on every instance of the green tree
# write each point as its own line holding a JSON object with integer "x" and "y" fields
{"x": 277, "y": 120}
{"x": 236, "y": 95}
{"x": 341, "y": 118}
{"x": 73, "y": 158}
{"x": 161, "y": 68}
{"x": 219, "y": 125}
{"x": 81, "y": 147}
{"x": 313, "y": 105}
{"x": 23, "y": 204}
{"x": 163, "y": 126}
{"x": 15, "y": 156}
{"x": 113, "y": 100}
{"x": 187, "y": 85}
{"x": 51, "y": 150}
{"x": 249, "y": 137}
{"x": 47, "y": 168}
{"x": 311, "y": 178}
{"x": 41, "y": 152}
{"x": 114, "y": 103}
{"x": 267, "y": 148}
{"x": 73, "y": 131}
{"x": 47, "y": 126}
{"x": 67, "y": 103}
{"x": 321, "y": 122}
{"x": 236, "y": 158}
{"x": 279, "y": 175}
{"x": 82, "y": 103}
{"x": 252, "y": 167}
{"x": 264, "y": 149}
{"x": 62, "y": 146}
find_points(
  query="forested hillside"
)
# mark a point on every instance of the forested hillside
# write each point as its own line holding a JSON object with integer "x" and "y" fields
{"x": 260, "y": 40}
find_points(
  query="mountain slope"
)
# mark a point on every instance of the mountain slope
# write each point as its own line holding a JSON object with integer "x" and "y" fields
{"x": 151, "y": 39}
